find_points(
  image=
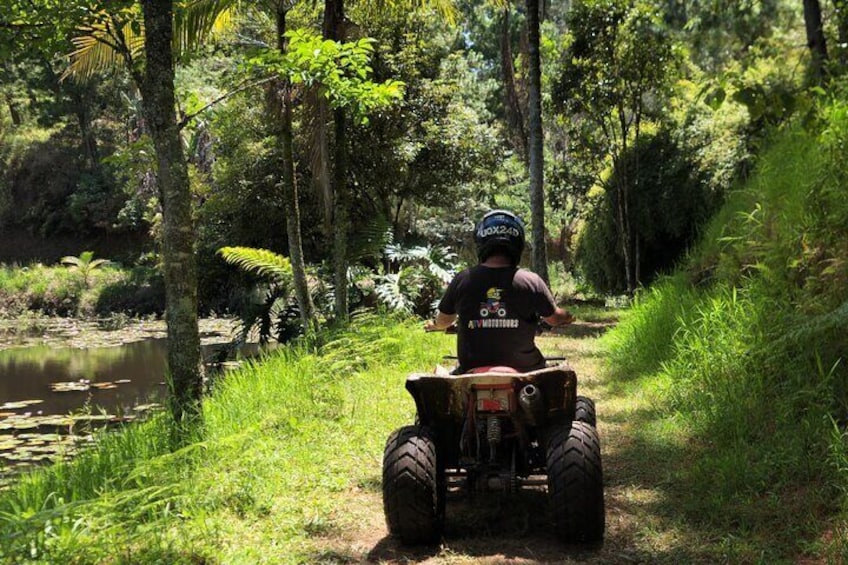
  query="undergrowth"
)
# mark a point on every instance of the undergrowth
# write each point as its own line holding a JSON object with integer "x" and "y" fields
{"x": 743, "y": 353}
{"x": 60, "y": 291}
{"x": 283, "y": 444}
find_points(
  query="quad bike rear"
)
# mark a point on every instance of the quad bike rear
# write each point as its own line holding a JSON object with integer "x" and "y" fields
{"x": 495, "y": 431}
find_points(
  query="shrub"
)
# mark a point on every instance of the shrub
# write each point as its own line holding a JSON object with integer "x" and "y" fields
{"x": 670, "y": 200}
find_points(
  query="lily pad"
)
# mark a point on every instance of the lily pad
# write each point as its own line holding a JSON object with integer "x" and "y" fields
{"x": 92, "y": 418}
{"x": 147, "y": 407}
{"x": 16, "y": 456}
{"x": 19, "y": 404}
{"x": 46, "y": 449}
{"x": 9, "y": 442}
{"x": 24, "y": 424}
{"x": 41, "y": 437}
{"x": 71, "y": 386}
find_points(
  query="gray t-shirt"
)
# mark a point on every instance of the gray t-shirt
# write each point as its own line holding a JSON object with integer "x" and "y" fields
{"x": 498, "y": 310}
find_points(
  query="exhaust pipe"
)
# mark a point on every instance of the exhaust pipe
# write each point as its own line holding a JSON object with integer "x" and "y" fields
{"x": 531, "y": 402}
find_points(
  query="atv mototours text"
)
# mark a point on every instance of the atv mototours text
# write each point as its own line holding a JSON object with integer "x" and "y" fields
{"x": 495, "y": 431}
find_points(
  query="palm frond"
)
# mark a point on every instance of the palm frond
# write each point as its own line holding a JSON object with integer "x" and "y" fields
{"x": 108, "y": 41}
{"x": 200, "y": 19}
{"x": 400, "y": 253}
{"x": 104, "y": 44}
{"x": 99, "y": 263}
{"x": 259, "y": 261}
{"x": 445, "y": 8}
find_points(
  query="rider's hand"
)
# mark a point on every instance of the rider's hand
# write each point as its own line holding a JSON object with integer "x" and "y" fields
{"x": 441, "y": 322}
{"x": 560, "y": 318}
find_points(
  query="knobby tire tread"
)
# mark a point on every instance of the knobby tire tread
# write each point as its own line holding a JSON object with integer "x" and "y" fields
{"x": 584, "y": 411}
{"x": 413, "y": 497}
{"x": 575, "y": 483}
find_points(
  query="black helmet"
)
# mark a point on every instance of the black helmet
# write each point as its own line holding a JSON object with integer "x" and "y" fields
{"x": 500, "y": 231}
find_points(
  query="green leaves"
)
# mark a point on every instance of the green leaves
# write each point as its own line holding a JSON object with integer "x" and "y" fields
{"x": 341, "y": 70}
{"x": 259, "y": 261}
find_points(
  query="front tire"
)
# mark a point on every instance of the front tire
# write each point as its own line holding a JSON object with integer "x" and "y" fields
{"x": 584, "y": 411}
{"x": 413, "y": 486}
{"x": 576, "y": 484}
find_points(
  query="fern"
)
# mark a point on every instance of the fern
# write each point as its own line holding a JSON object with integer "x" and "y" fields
{"x": 262, "y": 262}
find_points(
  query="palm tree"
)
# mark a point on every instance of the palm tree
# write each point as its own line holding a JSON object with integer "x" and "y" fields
{"x": 84, "y": 264}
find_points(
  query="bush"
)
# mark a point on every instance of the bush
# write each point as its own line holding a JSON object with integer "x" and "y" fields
{"x": 670, "y": 200}
{"x": 140, "y": 293}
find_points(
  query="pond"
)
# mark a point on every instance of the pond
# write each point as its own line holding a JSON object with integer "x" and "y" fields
{"x": 52, "y": 397}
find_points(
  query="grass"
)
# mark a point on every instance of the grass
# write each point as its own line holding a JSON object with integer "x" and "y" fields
{"x": 57, "y": 290}
{"x": 282, "y": 445}
{"x": 741, "y": 358}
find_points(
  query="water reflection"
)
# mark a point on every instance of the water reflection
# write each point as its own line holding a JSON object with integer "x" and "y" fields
{"x": 28, "y": 374}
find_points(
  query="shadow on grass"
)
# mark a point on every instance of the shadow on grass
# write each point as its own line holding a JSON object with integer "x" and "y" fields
{"x": 489, "y": 525}
{"x": 706, "y": 497}
{"x": 583, "y": 330}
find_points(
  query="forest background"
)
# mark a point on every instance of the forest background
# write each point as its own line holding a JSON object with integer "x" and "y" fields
{"x": 699, "y": 88}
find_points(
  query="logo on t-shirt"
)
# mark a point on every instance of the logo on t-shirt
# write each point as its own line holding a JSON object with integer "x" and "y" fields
{"x": 493, "y": 312}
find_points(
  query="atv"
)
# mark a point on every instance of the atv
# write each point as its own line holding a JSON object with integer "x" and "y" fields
{"x": 495, "y": 429}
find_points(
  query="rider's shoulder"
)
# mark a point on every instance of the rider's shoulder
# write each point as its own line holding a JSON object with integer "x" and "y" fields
{"x": 527, "y": 274}
{"x": 527, "y": 278}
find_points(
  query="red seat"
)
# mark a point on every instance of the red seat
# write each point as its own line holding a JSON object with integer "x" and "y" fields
{"x": 493, "y": 369}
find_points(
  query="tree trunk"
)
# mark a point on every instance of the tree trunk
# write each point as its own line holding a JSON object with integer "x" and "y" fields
{"x": 178, "y": 259}
{"x": 536, "y": 146}
{"x": 80, "y": 95}
{"x": 14, "y": 111}
{"x": 280, "y": 102}
{"x": 333, "y": 28}
{"x": 815, "y": 39}
{"x": 321, "y": 161}
{"x": 841, "y": 7}
{"x": 89, "y": 142}
{"x": 515, "y": 116}
{"x": 623, "y": 231}
{"x": 341, "y": 215}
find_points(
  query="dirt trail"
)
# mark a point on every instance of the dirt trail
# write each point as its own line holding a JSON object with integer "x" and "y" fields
{"x": 514, "y": 529}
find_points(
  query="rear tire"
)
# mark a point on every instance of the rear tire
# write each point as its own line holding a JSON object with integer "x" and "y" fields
{"x": 413, "y": 486}
{"x": 584, "y": 411}
{"x": 576, "y": 484}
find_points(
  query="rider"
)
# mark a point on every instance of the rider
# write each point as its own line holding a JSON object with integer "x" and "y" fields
{"x": 498, "y": 304}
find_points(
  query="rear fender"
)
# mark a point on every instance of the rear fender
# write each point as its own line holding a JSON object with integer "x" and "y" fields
{"x": 442, "y": 400}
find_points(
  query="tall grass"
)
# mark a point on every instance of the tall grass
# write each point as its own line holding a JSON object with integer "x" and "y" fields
{"x": 283, "y": 444}
{"x": 744, "y": 351}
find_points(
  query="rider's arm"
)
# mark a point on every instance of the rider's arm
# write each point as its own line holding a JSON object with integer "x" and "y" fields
{"x": 560, "y": 317}
{"x": 442, "y": 322}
